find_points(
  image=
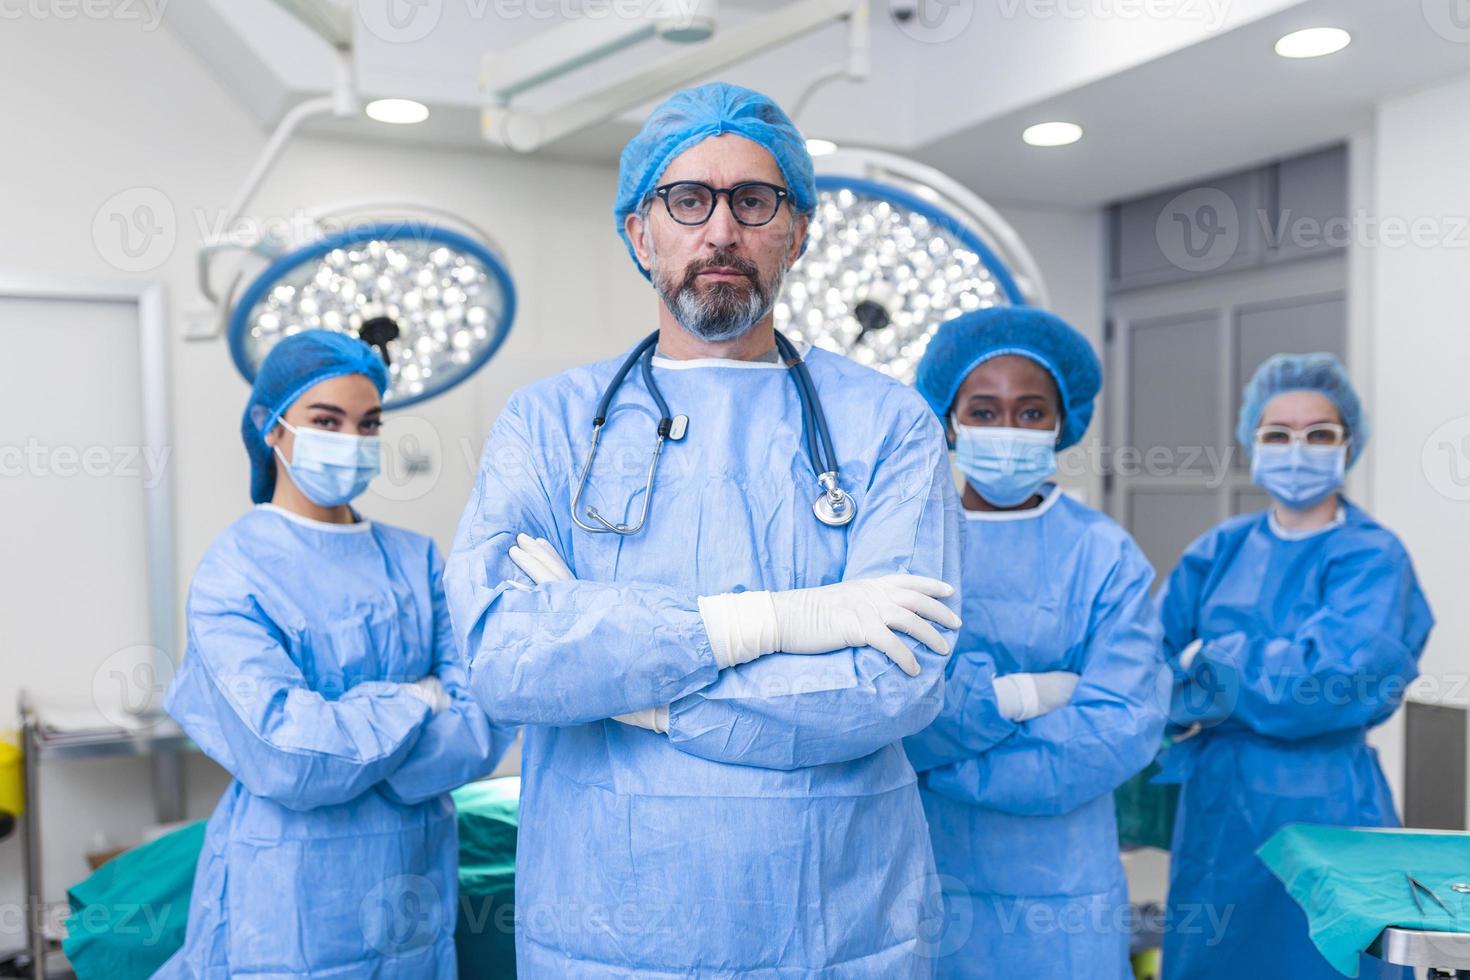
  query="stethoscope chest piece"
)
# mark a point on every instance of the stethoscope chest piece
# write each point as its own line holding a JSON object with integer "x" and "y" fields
{"x": 835, "y": 507}
{"x": 835, "y": 512}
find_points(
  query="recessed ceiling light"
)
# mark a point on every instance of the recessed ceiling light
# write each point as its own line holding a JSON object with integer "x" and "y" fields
{"x": 820, "y": 148}
{"x": 399, "y": 111}
{"x": 1314, "y": 42}
{"x": 1052, "y": 134}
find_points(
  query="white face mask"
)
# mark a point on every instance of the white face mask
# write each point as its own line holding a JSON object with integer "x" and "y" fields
{"x": 1298, "y": 475}
{"x": 1005, "y": 466}
{"x": 331, "y": 468}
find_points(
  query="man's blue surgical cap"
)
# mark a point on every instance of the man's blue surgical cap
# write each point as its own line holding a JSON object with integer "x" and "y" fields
{"x": 962, "y": 344}
{"x": 1321, "y": 373}
{"x": 693, "y": 115}
{"x": 292, "y": 366}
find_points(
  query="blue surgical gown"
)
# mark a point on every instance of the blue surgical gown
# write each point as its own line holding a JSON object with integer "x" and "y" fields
{"x": 776, "y": 829}
{"x": 333, "y": 852}
{"x": 1307, "y": 644}
{"x": 1022, "y": 817}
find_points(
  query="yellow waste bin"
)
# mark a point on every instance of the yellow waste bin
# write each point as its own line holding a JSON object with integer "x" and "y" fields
{"x": 12, "y": 777}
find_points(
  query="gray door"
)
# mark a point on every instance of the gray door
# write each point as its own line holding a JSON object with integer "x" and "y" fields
{"x": 1178, "y": 357}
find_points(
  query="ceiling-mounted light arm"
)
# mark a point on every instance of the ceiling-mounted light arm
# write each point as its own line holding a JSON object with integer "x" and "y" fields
{"x": 342, "y": 103}
{"x": 526, "y": 131}
{"x": 856, "y": 68}
{"x": 859, "y": 45}
{"x": 263, "y": 163}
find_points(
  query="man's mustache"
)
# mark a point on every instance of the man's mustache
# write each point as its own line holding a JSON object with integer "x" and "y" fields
{"x": 721, "y": 260}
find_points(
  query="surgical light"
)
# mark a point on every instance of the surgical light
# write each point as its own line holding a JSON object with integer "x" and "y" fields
{"x": 1313, "y": 42}
{"x": 436, "y": 303}
{"x": 895, "y": 249}
{"x": 820, "y": 148}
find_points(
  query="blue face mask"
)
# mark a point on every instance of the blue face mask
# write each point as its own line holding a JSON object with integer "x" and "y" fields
{"x": 1299, "y": 476}
{"x": 330, "y": 468}
{"x": 1005, "y": 466}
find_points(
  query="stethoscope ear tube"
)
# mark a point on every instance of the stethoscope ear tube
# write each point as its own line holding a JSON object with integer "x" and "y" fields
{"x": 834, "y": 507}
{"x": 644, "y": 345}
{"x": 813, "y": 419}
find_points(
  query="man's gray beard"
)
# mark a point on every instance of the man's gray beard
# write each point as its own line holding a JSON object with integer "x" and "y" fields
{"x": 724, "y": 311}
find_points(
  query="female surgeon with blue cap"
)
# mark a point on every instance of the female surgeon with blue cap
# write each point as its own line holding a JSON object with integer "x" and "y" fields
{"x": 1053, "y": 696}
{"x": 321, "y": 672}
{"x": 1291, "y": 633}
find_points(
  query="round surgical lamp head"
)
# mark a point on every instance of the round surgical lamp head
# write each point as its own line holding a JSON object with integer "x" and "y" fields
{"x": 896, "y": 248}
{"x": 436, "y": 303}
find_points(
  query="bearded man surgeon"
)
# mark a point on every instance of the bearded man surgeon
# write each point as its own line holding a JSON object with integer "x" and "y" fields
{"x": 716, "y": 616}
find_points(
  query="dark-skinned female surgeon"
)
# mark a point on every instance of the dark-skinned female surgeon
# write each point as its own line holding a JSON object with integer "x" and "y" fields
{"x": 1291, "y": 632}
{"x": 321, "y": 672}
{"x": 1056, "y": 691}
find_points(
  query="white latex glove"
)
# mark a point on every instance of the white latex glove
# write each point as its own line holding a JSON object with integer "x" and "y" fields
{"x": 1021, "y": 697}
{"x": 430, "y": 691}
{"x": 1054, "y": 688}
{"x": 862, "y": 612}
{"x": 653, "y": 719}
{"x": 1187, "y": 655}
{"x": 539, "y": 560}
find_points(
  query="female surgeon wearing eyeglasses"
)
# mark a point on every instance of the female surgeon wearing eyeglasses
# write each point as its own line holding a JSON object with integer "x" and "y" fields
{"x": 321, "y": 672}
{"x": 1056, "y": 692}
{"x": 1291, "y": 633}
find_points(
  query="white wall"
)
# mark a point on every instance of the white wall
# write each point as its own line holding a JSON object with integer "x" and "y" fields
{"x": 1067, "y": 244}
{"x": 1419, "y": 476}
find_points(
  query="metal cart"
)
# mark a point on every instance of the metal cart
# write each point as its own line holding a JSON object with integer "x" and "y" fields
{"x": 1445, "y": 954}
{"x": 162, "y": 741}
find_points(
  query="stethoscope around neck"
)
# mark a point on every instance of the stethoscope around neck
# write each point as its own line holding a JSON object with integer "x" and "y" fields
{"x": 834, "y": 506}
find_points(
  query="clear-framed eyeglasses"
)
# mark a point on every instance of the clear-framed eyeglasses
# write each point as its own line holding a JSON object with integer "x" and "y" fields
{"x": 1325, "y": 434}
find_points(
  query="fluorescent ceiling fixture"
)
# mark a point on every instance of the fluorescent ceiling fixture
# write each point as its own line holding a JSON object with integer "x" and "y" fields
{"x": 399, "y": 111}
{"x": 820, "y": 148}
{"x": 1314, "y": 42}
{"x": 1052, "y": 134}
